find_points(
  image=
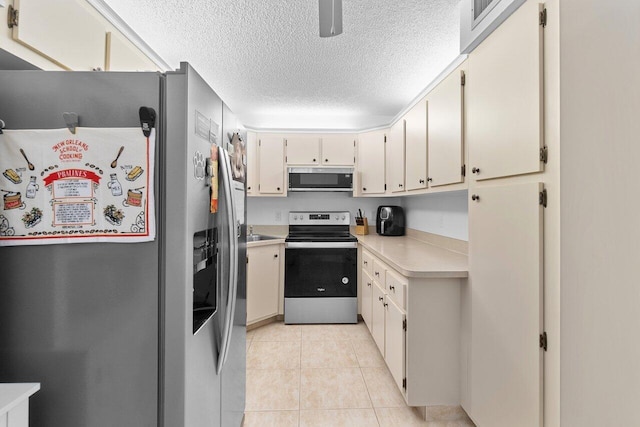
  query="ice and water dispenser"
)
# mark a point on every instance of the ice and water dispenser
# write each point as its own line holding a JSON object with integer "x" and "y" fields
{"x": 204, "y": 276}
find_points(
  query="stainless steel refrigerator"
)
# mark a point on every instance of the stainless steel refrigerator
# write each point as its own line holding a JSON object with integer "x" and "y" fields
{"x": 108, "y": 328}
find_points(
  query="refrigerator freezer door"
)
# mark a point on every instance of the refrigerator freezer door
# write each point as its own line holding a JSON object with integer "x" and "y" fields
{"x": 82, "y": 320}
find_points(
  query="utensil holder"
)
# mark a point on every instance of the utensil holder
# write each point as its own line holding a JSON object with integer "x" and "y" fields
{"x": 364, "y": 228}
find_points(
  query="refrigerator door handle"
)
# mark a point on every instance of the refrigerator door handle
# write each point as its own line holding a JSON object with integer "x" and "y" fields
{"x": 233, "y": 258}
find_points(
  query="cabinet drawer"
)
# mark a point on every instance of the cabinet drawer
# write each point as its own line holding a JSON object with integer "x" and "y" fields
{"x": 367, "y": 262}
{"x": 396, "y": 286}
{"x": 379, "y": 275}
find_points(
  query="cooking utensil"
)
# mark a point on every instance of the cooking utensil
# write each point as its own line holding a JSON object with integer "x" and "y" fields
{"x": 115, "y": 161}
{"x": 31, "y": 167}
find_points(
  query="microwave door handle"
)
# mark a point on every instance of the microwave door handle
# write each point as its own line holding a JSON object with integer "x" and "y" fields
{"x": 382, "y": 223}
{"x": 229, "y": 311}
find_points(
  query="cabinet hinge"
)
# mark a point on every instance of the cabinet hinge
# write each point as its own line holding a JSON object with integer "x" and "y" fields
{"x": 543, "y": 17}
{"x": 385, "y": 139}
{"x": 544, "y": 154}
{"x": 354, "y": 142}
{"x": 247, "y": 260}
{"x": 354, "y": 159}
{"x": 404, "y": 383}
{"x": 542, "y": 198}
{"x": 464, "y": 170}
{"x": 385, "y": 187}
{"x": 286, "y": 143}
{"x": 12, "y": 17}
{"x": 463, "y": 78}
{"x": 543, "y": 341}
{"x": 259, "y": 142}
{"x": 404, "y": 324}
{"x": 258, "y": 187}
{"x": 286, "y": 159}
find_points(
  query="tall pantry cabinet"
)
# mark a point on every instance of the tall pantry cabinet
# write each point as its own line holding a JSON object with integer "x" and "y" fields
{"x": 507, "y": 156}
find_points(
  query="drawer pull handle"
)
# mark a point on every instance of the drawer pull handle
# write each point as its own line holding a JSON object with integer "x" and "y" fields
{"x": 380, "y": 298}
{"x": 475, "y": 170}
{"x": 392, "y": 288}
{"x": 475, "y": 198}
{"x": 385, "y": 304}
{"x": 368, "y": 284}
{"x": 366, "y": 263}
{"x": 377, "y": 273}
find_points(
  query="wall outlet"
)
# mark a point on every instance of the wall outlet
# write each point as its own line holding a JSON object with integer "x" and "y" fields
{"x": 278, "y": 216}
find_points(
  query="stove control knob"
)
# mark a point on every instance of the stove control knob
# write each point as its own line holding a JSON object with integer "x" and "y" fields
{"x": 336, "y": 217}
{"x": 295, "y": 217}
{"x": 343, "y": 217}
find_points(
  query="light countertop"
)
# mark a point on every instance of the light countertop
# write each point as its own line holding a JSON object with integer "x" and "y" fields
{"x": 416, "y": 258}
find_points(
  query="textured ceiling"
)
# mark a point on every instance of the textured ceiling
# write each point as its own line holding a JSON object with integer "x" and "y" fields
{"x": 267, "y": 61}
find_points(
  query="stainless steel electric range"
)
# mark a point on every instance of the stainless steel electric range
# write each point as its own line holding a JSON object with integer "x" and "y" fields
{"x": 320, "y": 278}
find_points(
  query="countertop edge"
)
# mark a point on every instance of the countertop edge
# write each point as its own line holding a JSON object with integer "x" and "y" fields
{"x": 433, "y": 274}
{"x": 278, "y": 241}
{"x": 11, "y": 394}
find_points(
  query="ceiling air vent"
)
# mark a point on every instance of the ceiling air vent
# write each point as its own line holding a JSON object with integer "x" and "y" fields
{"x": 481, "y": 8}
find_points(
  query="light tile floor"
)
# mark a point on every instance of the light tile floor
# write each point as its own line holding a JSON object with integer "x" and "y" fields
{"x": 323, "y": 375}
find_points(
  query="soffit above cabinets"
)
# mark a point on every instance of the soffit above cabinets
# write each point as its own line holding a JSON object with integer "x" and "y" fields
{"x": 268, "y": 62}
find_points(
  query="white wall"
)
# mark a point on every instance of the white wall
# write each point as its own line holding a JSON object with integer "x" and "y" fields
{"x": 600, "y": 212}
{"x": 445, "y": 214}
{"x": 439, "y": 213}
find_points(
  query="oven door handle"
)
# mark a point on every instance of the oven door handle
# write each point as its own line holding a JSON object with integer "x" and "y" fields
{"x": 320, "y": 245}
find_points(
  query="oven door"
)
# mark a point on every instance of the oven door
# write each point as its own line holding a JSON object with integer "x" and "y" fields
{"x": 320, "y": 269}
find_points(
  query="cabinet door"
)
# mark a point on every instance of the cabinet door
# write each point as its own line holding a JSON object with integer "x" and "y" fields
{"x": 271, "y": 164}
{"x": 367, "y": 298}
{"x": 416, "y": 147}
{"x": 395, "y": 157}
{"x": 302, "y": 149}
{"x": 338, "y": 150}
{"x": 394, "y": 346}
{"x": 505, "y": 105}
{"x": 70, "y": 33}
{"x": 263, "y": 280}
{"x": 371, "y": 151}
{"x": 505, "y": 274}
{"x": 445, "y": 106}
{"x": 377, "y": 317}
{"x": 122, "y": 55}
{"x": 252, "y": 164}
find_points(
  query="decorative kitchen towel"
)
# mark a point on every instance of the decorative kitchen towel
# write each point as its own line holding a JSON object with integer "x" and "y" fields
{"x": 92, "y": 186}
{"x": 213, "y": 172}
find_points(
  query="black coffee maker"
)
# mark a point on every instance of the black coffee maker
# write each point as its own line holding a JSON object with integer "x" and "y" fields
{"x": 390, "y": 221}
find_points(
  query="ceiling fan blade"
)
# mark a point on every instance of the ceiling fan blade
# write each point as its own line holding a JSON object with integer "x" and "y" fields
{"x": 330, "y": 17}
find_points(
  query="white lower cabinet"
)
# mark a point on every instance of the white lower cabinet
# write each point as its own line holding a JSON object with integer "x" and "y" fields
{"x": 377, "y": 317}
{"x": 394, "y": 345}
{"x": 506, "y": 286}
{"x": 415, "y": 322}
{"x": 366, "y": 296}
{"x": 263, "y": 282}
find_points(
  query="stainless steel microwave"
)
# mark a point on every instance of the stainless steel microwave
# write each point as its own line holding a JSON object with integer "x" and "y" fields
{"x": 320, "y": 179}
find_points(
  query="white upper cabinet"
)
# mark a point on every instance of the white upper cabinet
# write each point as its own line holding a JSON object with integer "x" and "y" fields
{"x": 395, "y": 157}
{"x": 252, "y": 164}
{"x": 338, "y": 149}
{"x": 505, "y": 98}
{"x": 371, "y": 153}
{"x": 416, "y": 147}
{"x": 303, "y": 149}
{"x": 122, "y": 55}
{"x": 271, "y": 164}
{"x": 445, "y": 107}
{"x": 321, "y": 150}
{"x": 68, "y": 32}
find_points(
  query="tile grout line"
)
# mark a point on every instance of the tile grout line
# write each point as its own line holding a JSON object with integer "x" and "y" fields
{"x": 366, "y": 386}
